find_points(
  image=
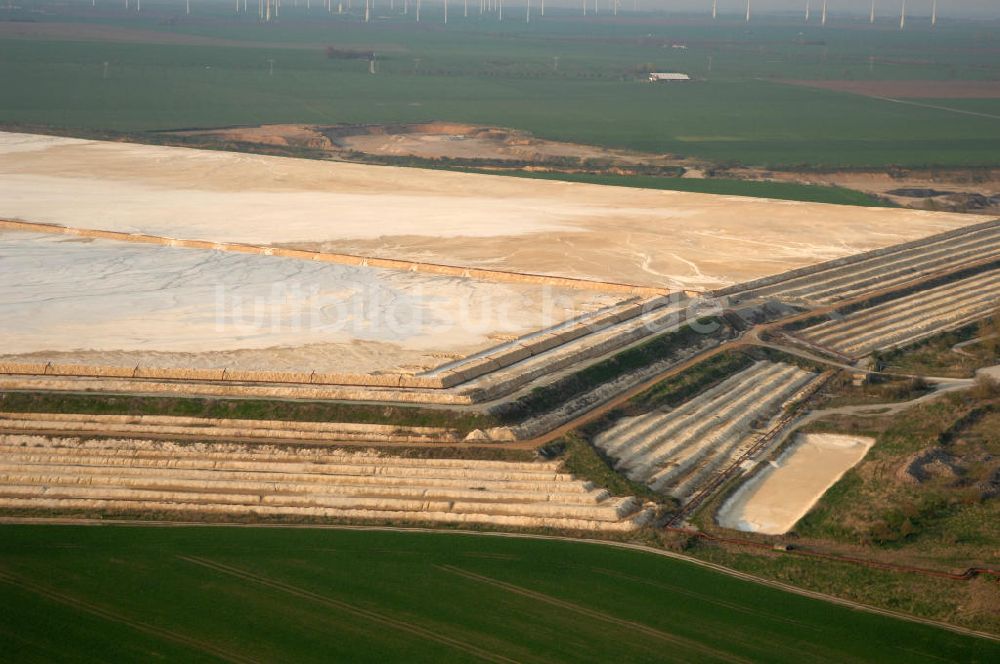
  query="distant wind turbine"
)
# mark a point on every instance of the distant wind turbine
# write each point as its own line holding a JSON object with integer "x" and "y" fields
{"x": 748, "y": 11}
{"x": 871, "y": 17}
{"x": 823, "y": 20}
{"x": 807, "y": 11}
{"x": 902, "y": 16}
{"x": 715, "y": 8}
{"x": 934, "y": 13}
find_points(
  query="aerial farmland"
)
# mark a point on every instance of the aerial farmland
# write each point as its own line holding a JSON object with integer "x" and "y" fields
{"x": 348, "y": 319}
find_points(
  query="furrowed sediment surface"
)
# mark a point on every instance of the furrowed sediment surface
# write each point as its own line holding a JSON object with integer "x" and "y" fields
{"x": 910, "y": 318}
{"x": 679, "y": 450}
{"x": 131, "y": 475}
{"x": 886, "y": 268}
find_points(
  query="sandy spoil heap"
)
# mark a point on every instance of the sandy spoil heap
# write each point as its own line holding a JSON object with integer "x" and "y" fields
{"x": 677, "y": 451}
{"x": 910, "y": 318}
{"x": 659, "y": 238}
{"x": 129, "y": 476}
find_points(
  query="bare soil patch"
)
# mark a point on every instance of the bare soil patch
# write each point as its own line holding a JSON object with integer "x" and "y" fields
{"x": 431, "y": 140}
{"x": 284, "y": 135}
{"x": 500, "y": 148}
{"x": 958, "y": 190}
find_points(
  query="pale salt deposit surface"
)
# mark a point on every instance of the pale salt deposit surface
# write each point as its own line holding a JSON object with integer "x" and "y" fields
{"x": 114, "y": 303}
{"x": 773, "y": 500}
{"x": 656, "y": 238}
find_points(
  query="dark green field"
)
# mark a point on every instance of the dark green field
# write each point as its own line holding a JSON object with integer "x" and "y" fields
{"x": 789, "y": 191}
{"x": 300, "y": 595}
{"x": 482, "y": 71}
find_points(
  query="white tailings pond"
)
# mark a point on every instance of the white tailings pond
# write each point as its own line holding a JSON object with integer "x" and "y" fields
{"x": 101, "y": 302}
{"x": 773, "y": 500}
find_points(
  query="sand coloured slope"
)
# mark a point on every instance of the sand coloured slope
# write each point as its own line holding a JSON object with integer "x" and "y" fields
{"x": 658, "y": 238}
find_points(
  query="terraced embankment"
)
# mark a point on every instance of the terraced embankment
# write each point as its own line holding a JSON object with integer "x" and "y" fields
{"x": 502, "y": 369}
{"x": 910, "y": 318}
{"x": 125, "y": 476}
{"x": 678, "y": 451}
{"x": 488, "y": 375}
{"x": 879, "y": 270}
{"x": 215, "y": 428}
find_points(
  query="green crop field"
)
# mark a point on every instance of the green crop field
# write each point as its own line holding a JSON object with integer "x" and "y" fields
{"x": 299, "y": 595}
{"x": 788, "y": 191}
{"x": 561, "y": 78}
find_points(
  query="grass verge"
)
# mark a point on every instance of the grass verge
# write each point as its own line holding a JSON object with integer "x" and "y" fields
{"x": 241, "y": 409}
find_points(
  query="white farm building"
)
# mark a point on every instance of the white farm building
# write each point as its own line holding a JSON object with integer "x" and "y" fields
{"x": 659, "y": 77}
